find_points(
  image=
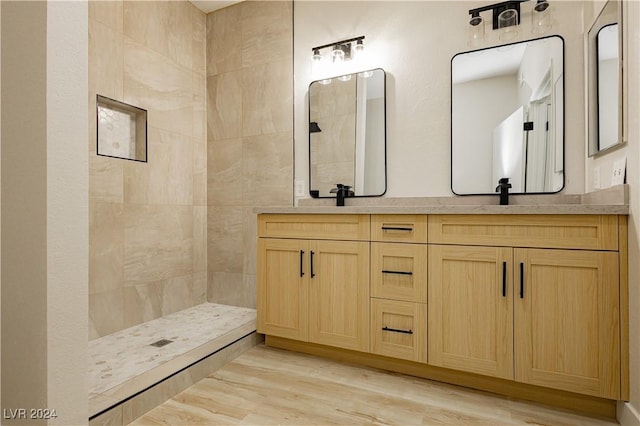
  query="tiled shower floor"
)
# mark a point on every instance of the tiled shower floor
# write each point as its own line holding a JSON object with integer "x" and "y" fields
{"x": 123, "y": 363}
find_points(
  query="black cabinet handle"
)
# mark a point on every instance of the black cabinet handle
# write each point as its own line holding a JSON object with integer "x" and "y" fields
{"x": 397, "y": 330}
{"x": 504, "y": 279}
{"x": 396, "y": 228}
{"x": 521, "y": 280}
{"x": 311, "y": 253}
{"x": 301, "y": 257}
{"x": 384, "y": 271}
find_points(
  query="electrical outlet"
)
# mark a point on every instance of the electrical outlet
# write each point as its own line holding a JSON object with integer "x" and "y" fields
{"x": 299, "y": 188}
{"x": 619, "y": 171}
{"x": 596, "y": 178}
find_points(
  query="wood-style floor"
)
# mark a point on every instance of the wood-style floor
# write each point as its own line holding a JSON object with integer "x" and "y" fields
{"x": 267, "y": 386}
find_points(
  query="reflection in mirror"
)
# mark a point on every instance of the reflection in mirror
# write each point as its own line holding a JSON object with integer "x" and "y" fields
{"x": 507, "y": 118}
{"x": 347, "y": 134}
{"x": 604, "y": 46}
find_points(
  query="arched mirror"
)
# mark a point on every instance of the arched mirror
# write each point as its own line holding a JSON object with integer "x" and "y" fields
{"x": 507, "y": 118}
{"x": 347, "y": 134}
{"x": 604, "y": 47}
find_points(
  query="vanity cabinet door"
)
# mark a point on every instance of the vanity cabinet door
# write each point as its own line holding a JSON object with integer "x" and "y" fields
{"x": 283, "y": 288}
{"x": 339, "y": 294}
{"x": 566, "y": 320}
{"x": 470, "y": 300}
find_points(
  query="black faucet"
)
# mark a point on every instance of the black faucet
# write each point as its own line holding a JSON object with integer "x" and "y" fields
{"x": 342, "y": 192}
{"x": 503, "y": 188}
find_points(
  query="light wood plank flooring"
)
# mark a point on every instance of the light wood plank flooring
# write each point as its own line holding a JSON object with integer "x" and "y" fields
{"x": 267, "y": 386}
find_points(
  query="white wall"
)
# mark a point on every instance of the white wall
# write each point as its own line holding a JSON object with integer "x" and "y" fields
{"x": 474, "y": 173}
{"x": 414, "y": 43}
{"x": 44, "y": 208}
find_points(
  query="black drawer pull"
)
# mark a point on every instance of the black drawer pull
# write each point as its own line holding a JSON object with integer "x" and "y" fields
{"x": 311, "y": 253}
{"x": 504, "y": 279}
{"x": 384, "y": 271}
{"x": 301, "y": 257}
{"x": 396, "y": 228}
{"x": 397, "y": 330}
{"x": 521, "y": 280}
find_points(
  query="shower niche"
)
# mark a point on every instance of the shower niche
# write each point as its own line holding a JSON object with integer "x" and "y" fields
{"x": 122, "y": 130}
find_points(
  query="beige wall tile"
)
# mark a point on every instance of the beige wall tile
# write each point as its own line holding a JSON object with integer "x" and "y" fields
{"x": 231, "y": 289}
{"x": 267, "y": 100}
{"x": 105, "y": 61}
{"x": 250, "y": 240}
{"x": 224, "y": 173}
{"x": 167, "y": 177}
{"x": 199, "y": 239}
{"x": 142, "y": 302}
{"x": 157, "y": 84}
{"x": 267, "y": 163}
{"x": 266, "y": 31}
{"x": 177, "y": 294}
{"x": 106, "y": 312}
{"x": 199, "y": 88}
{"x": 108, "y": 12}
{"x": 164, "y": 26}
{"x": 199, "y": 172}
{"x": 224, "y": 105}
{"x": 199, "y": 287}
{"x": 198, "y": 40}
{"x": 250, "y": 293}
{"x": 106, "y": 179}
{"x": 224, "y": 40}
{"x": 224, "y": 235}
{"x": 158, "y": 242}
{"x": 106, "y": 246}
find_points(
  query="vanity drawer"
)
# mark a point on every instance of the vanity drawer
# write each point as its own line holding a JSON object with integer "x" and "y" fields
{"x": 399, "y": 228}
{"x": 399, "y": 271}
{"x": 592, "y": 232}
{"x": 399, "y": 329}
{"x": 314, "y": 226}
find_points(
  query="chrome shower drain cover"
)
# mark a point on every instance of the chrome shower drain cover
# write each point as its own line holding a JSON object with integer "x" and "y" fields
{"x": 161, "y": 343}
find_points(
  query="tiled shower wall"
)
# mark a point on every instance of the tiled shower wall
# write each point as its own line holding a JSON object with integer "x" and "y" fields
{"x": 148, "y": 221}
{"x": 249, "y": 137}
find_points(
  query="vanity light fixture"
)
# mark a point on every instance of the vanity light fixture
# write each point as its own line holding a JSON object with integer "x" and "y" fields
{"x": 506, "y": 19}
{"x": 541, "y": 17}
{"x": 342, "y": 50}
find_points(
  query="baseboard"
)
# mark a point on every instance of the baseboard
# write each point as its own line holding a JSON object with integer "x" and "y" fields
{"x": 627, "y": 415}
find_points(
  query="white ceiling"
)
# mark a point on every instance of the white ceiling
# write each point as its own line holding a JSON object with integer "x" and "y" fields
{"x": 210, "y": 5}
{"x": 487, "y": 63}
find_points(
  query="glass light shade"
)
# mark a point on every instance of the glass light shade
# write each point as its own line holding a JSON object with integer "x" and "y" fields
{"x": 359, "y": 47}
{"x": 541, "y": 18}
{"x": 317, "y": 57}
{"x": 337, "y": 54}
{"x": 475, "y": 32}
{"x": 325, "y": 81}
{"x": 366, "y": 74}
{"x": 508, "y": 24}
{"x": 345, "y": 77}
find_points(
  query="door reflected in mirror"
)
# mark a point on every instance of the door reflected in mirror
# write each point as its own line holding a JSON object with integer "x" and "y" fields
{"x": 347, "y": 134}
{"x": 605, "y": 106}
{"x": 507, "y": 118}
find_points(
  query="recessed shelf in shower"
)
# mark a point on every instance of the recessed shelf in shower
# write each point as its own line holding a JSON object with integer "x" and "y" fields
{"x": 122, "y": 130}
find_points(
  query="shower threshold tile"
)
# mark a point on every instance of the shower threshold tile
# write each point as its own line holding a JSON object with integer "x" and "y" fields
{"x": 124, "y": 363}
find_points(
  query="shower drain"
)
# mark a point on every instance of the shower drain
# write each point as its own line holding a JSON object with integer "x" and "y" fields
{"x": 161, "y": 343}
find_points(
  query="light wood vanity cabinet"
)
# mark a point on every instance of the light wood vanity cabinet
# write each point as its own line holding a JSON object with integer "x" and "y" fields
{"x": 314, "y": 290}
{"x": 399, "y": 286}
{"x": 534, "y": 299}
{"x": 548, "y": 317}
